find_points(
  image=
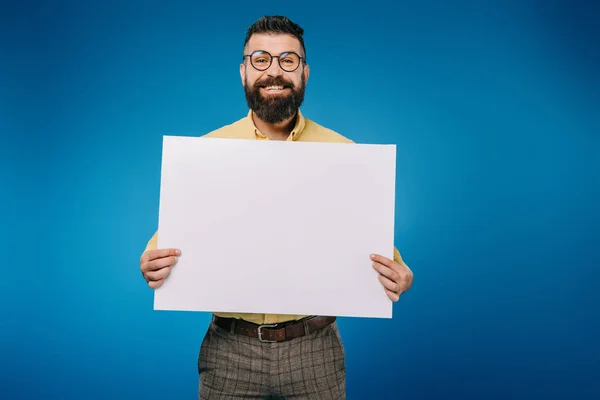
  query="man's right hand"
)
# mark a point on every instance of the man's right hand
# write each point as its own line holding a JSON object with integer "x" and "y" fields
{"x": 156, "y": 265}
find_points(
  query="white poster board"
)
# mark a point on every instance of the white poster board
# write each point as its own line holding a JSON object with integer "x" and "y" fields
{"x": 276, "y": 227}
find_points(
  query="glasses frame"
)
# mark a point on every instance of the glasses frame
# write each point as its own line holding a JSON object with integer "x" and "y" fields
{"x": 302, "y": 60}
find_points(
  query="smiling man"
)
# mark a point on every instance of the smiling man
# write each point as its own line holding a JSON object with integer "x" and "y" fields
{"x": 266, "y": 355}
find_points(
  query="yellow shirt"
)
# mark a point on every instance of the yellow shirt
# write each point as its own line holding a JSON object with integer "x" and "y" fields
{"x": 304, "y": 130}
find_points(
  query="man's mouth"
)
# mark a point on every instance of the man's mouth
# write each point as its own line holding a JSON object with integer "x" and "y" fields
{"x": 274, "y": 88}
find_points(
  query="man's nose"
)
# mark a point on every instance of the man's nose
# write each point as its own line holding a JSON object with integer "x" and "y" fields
{"x": 274, "y": 68}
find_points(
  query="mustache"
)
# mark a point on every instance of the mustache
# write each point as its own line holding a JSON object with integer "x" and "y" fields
{"x": 273, "y": 81}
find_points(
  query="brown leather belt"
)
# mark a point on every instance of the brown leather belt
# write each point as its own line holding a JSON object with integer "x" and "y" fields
{"x": 274, "y": 332}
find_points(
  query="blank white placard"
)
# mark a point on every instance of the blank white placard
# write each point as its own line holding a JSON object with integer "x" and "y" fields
{"x": 276, "y": 227}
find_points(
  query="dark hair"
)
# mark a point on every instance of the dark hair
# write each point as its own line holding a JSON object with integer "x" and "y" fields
{"x": 279, "y": 25}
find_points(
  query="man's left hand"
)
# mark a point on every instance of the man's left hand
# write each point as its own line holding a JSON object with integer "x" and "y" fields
{"x": 395, "y": 277}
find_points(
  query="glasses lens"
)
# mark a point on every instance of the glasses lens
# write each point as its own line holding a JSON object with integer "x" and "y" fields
{"x": 261, "y": 60}
{"x": 289, "y": 61}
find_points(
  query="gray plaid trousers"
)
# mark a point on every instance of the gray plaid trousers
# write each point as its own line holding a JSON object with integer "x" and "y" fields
{"x": 233, "y": 366}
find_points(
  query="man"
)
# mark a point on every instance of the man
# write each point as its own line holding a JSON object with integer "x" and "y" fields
{"x": 258, "y": 355}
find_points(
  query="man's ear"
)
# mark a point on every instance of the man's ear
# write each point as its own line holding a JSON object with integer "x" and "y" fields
{"x": 242, "y": 72}
{"x": 306, "y": 73}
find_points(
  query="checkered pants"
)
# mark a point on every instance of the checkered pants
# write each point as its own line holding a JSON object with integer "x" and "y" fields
{"x": 309, "y": 367}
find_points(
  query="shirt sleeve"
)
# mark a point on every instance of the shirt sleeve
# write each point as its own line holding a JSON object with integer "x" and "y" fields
{"x": 153, "y": 242}
{"x": 397, "y": 256}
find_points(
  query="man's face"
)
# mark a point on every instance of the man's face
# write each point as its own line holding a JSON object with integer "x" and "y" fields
{"x": 274, "y": 94}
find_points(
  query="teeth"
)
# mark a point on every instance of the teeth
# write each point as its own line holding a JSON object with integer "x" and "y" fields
{"x": 274, "y": 87}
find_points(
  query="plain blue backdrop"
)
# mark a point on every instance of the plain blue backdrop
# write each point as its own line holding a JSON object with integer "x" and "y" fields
{"x": 494, "y": 107}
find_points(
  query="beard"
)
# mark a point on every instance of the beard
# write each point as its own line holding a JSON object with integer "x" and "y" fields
{"x": 275, "y": 108}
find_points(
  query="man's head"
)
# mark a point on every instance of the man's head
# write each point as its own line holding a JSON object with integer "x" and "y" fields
{"x": 274, "y": 70}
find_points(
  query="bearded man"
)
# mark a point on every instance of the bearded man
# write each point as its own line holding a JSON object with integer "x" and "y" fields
{"x": 266, "y": 355}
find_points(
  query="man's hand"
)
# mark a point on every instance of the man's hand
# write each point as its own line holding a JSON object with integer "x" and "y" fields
{"x": 156, "y": 265}
{"x": 396, "y": 278}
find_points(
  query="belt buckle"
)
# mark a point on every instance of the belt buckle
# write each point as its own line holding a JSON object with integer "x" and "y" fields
{"x": 260, "y": 327}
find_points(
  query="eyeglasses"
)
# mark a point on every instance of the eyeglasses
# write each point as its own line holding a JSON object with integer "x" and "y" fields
{"x": 262, "y": 60}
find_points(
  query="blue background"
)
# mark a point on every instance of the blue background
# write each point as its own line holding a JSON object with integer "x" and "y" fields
{"x": 494, "y": 107}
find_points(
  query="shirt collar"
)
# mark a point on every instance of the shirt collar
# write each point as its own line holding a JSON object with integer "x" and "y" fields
{"x": 295, "y": 134}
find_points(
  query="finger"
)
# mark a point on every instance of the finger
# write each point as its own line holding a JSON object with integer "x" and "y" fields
{"x": 390, "y": 285}
{"x": 158, "y": 275}
{"x": 159, "y": 263}
{"x": 382, "y": 260}
{"x": 386, "y": 271}
{"x": 160, "y": 253}
{"x": 391, "y": 295}
{"x": 155, "y": 284}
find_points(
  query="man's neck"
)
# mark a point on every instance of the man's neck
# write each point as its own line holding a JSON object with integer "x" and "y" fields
{"x": 275, "y": 131}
